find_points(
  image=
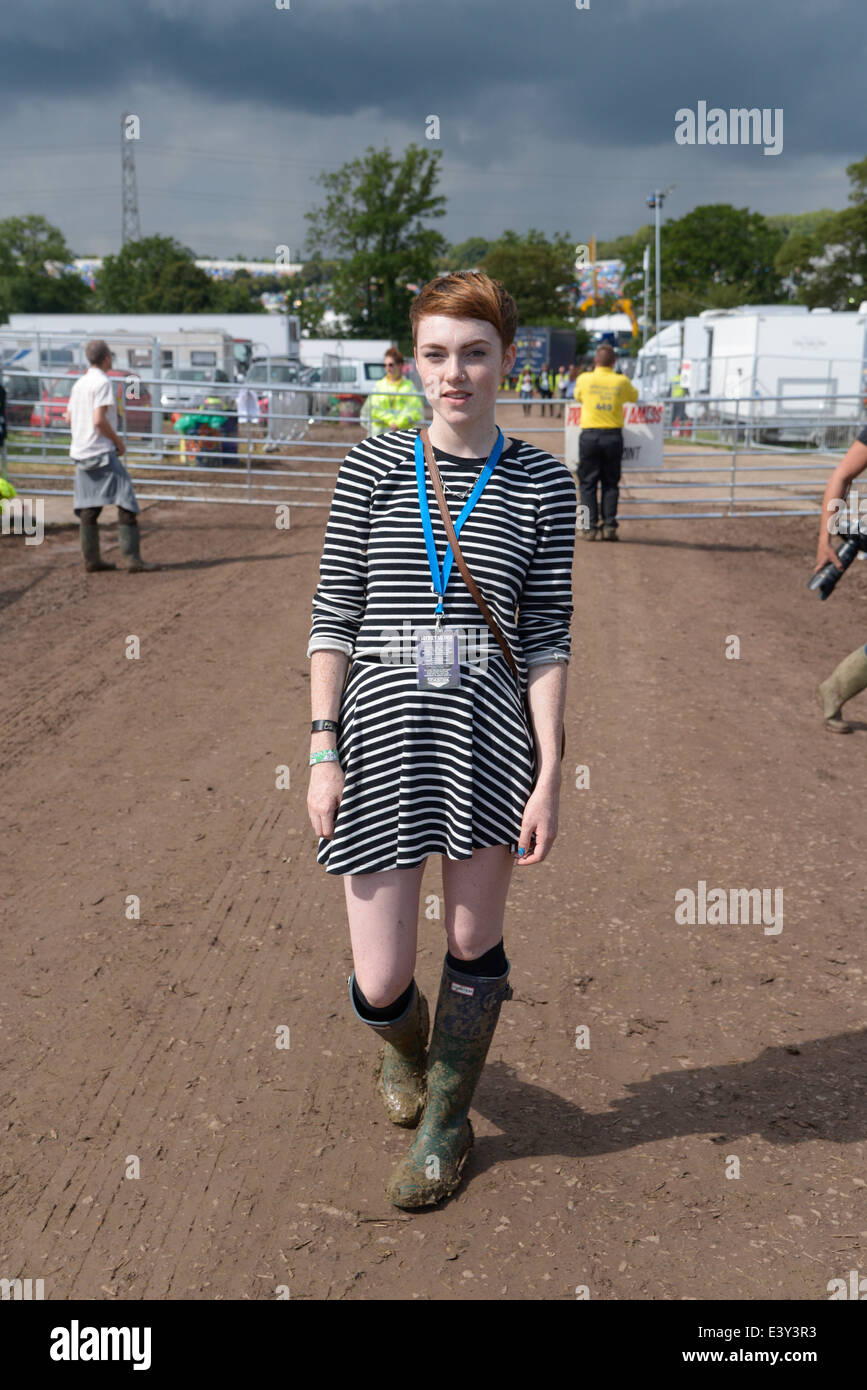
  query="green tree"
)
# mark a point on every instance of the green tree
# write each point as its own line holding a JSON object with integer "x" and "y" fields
{"x": 538, "y": 273}
{"x": 155, "y": 275}
{"x": 715, "y": 257}
{"x": 374, "y": 219}
{"x": 26, "y": 244}
{"x": 240, "y": 294}
{"x": 800, "y": 223}
{"x": 311, "y": 293}
{"x": 828, "y": 266}
{"x": 465, "y": 255}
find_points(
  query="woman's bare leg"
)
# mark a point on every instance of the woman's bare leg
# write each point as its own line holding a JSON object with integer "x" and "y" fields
{"x": 475, "y": 892}
{"x": 383, "y": 927}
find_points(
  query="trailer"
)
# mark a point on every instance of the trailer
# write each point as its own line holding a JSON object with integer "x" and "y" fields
{"x": 315, "y": 350}
{"x": 173, "y": 372}
{"x": 789, "y": 375}
{"x": 253, "y": 335}
{"x": 683, "y": 348}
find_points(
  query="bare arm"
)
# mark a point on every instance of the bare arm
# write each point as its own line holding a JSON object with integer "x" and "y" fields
{"x": 546, "y": 695}
{"x": 327, "y": 674}
{"x": 853, "y": 462}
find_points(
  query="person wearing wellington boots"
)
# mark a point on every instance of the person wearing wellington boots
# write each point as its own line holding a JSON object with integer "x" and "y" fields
{"x": 850, "y": 677}
{"x": 100, "y": 478}
{"x": 423, "y": 746}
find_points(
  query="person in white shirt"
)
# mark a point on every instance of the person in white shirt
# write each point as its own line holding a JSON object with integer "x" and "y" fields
{"x": 100, "y": 478}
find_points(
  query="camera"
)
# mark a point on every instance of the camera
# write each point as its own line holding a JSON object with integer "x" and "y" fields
{"x": 826, "y": 578}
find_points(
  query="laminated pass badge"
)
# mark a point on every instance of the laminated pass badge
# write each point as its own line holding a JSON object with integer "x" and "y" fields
{"x": 437, "y": 654}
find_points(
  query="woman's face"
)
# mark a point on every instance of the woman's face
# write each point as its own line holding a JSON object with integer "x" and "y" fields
{"x": 393, "y": 369}
{"x": 461, "y": 363}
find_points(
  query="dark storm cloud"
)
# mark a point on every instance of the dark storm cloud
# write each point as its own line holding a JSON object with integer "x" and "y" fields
{"x": 613, "y": 74}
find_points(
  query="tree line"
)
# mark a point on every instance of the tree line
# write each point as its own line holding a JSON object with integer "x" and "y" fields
{"x": 370, "y": 245}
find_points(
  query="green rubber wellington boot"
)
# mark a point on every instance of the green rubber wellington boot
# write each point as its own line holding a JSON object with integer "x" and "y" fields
{"x": 93, "y": 561}
{"x": 128, "y": 537}
{"x": 400, "y": 1069}
{"x": 468, "y": 1010}
{"x": 849, "y": 677}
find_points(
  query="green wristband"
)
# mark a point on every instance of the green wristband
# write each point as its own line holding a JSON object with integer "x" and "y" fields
{"x": 325, "y": 755}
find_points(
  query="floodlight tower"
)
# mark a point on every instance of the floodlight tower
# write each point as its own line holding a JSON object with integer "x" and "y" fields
{"x": 656, "y": 201}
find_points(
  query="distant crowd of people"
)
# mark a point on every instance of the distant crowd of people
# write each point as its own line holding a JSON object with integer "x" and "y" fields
{"x": 550, "y": 388}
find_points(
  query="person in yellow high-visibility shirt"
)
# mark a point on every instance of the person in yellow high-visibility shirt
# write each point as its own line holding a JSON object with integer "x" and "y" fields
{"x": 602, "y": 394}
{"x": 678, "y": 396}
{"x": 394, "y": 403}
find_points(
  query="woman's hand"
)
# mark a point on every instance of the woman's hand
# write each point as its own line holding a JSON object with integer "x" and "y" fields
{"x": 539, "y": 820}
{"x": 324, "y": 796}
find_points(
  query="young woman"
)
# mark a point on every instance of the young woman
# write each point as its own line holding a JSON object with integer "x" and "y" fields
{"x": 412, "y": 761}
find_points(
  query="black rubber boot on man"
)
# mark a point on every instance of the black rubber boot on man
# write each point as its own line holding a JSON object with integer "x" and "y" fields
{"x": 93, "y": 561}
{"x": 468, "y": 1009}
{"x": 128, "y": 536}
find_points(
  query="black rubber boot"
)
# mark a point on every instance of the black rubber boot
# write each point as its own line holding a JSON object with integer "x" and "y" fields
{"x": 468, "y": 1010}
{"x": 93, "y": 561}
{"x": 128, "y": 537}
{"x": 400, "y": 1070}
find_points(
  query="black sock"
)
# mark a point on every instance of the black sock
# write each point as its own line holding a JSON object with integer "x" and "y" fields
{"x": 493, "y": 963}
{"x": 389, "y": 1013}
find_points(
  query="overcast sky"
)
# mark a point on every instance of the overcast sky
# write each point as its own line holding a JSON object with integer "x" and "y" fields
{"x": 550, "y": 116}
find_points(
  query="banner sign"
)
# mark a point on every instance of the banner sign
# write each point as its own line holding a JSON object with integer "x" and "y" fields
{"x": 642, "y": 434}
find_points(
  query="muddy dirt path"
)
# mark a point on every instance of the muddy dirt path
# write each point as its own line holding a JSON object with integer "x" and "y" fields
{"x": 153, "y": 1038}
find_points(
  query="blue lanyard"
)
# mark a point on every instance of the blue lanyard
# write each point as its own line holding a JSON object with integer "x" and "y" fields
{"x": 440, "y": 581}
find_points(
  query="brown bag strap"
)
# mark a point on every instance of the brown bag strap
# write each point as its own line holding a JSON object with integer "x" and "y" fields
{"x": 459, "y": 559}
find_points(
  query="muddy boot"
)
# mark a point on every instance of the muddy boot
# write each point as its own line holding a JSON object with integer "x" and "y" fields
{"x": 468, "y": 1009}
{"x": 400, "y": 1070}
{"x": 609, "y": 533}
{"x": 93, "y": 561}
{"x": 128, "y": 537}
{"x": 849, "y": 677}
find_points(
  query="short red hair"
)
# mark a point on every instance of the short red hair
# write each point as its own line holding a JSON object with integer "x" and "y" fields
{"x": 467, "y": 294}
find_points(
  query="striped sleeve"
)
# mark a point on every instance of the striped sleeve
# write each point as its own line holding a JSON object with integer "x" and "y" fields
{"x": 341, "y": 594}
{"x": 545, "y": 607}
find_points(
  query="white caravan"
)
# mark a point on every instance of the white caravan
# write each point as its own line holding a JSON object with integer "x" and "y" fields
{"x": 687, "y": 347}
{"x": 254, "y": 335}
{"x": 789, "y": 374}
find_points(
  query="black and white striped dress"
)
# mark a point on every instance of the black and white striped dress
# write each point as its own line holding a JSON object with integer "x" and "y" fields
{"x": 438, "y": 771}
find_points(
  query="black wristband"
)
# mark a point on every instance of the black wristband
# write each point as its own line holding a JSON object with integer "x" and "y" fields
{"x": 321, "y": 725}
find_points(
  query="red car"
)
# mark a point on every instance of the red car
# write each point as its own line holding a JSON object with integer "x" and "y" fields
{"x": 55, "y": 400}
